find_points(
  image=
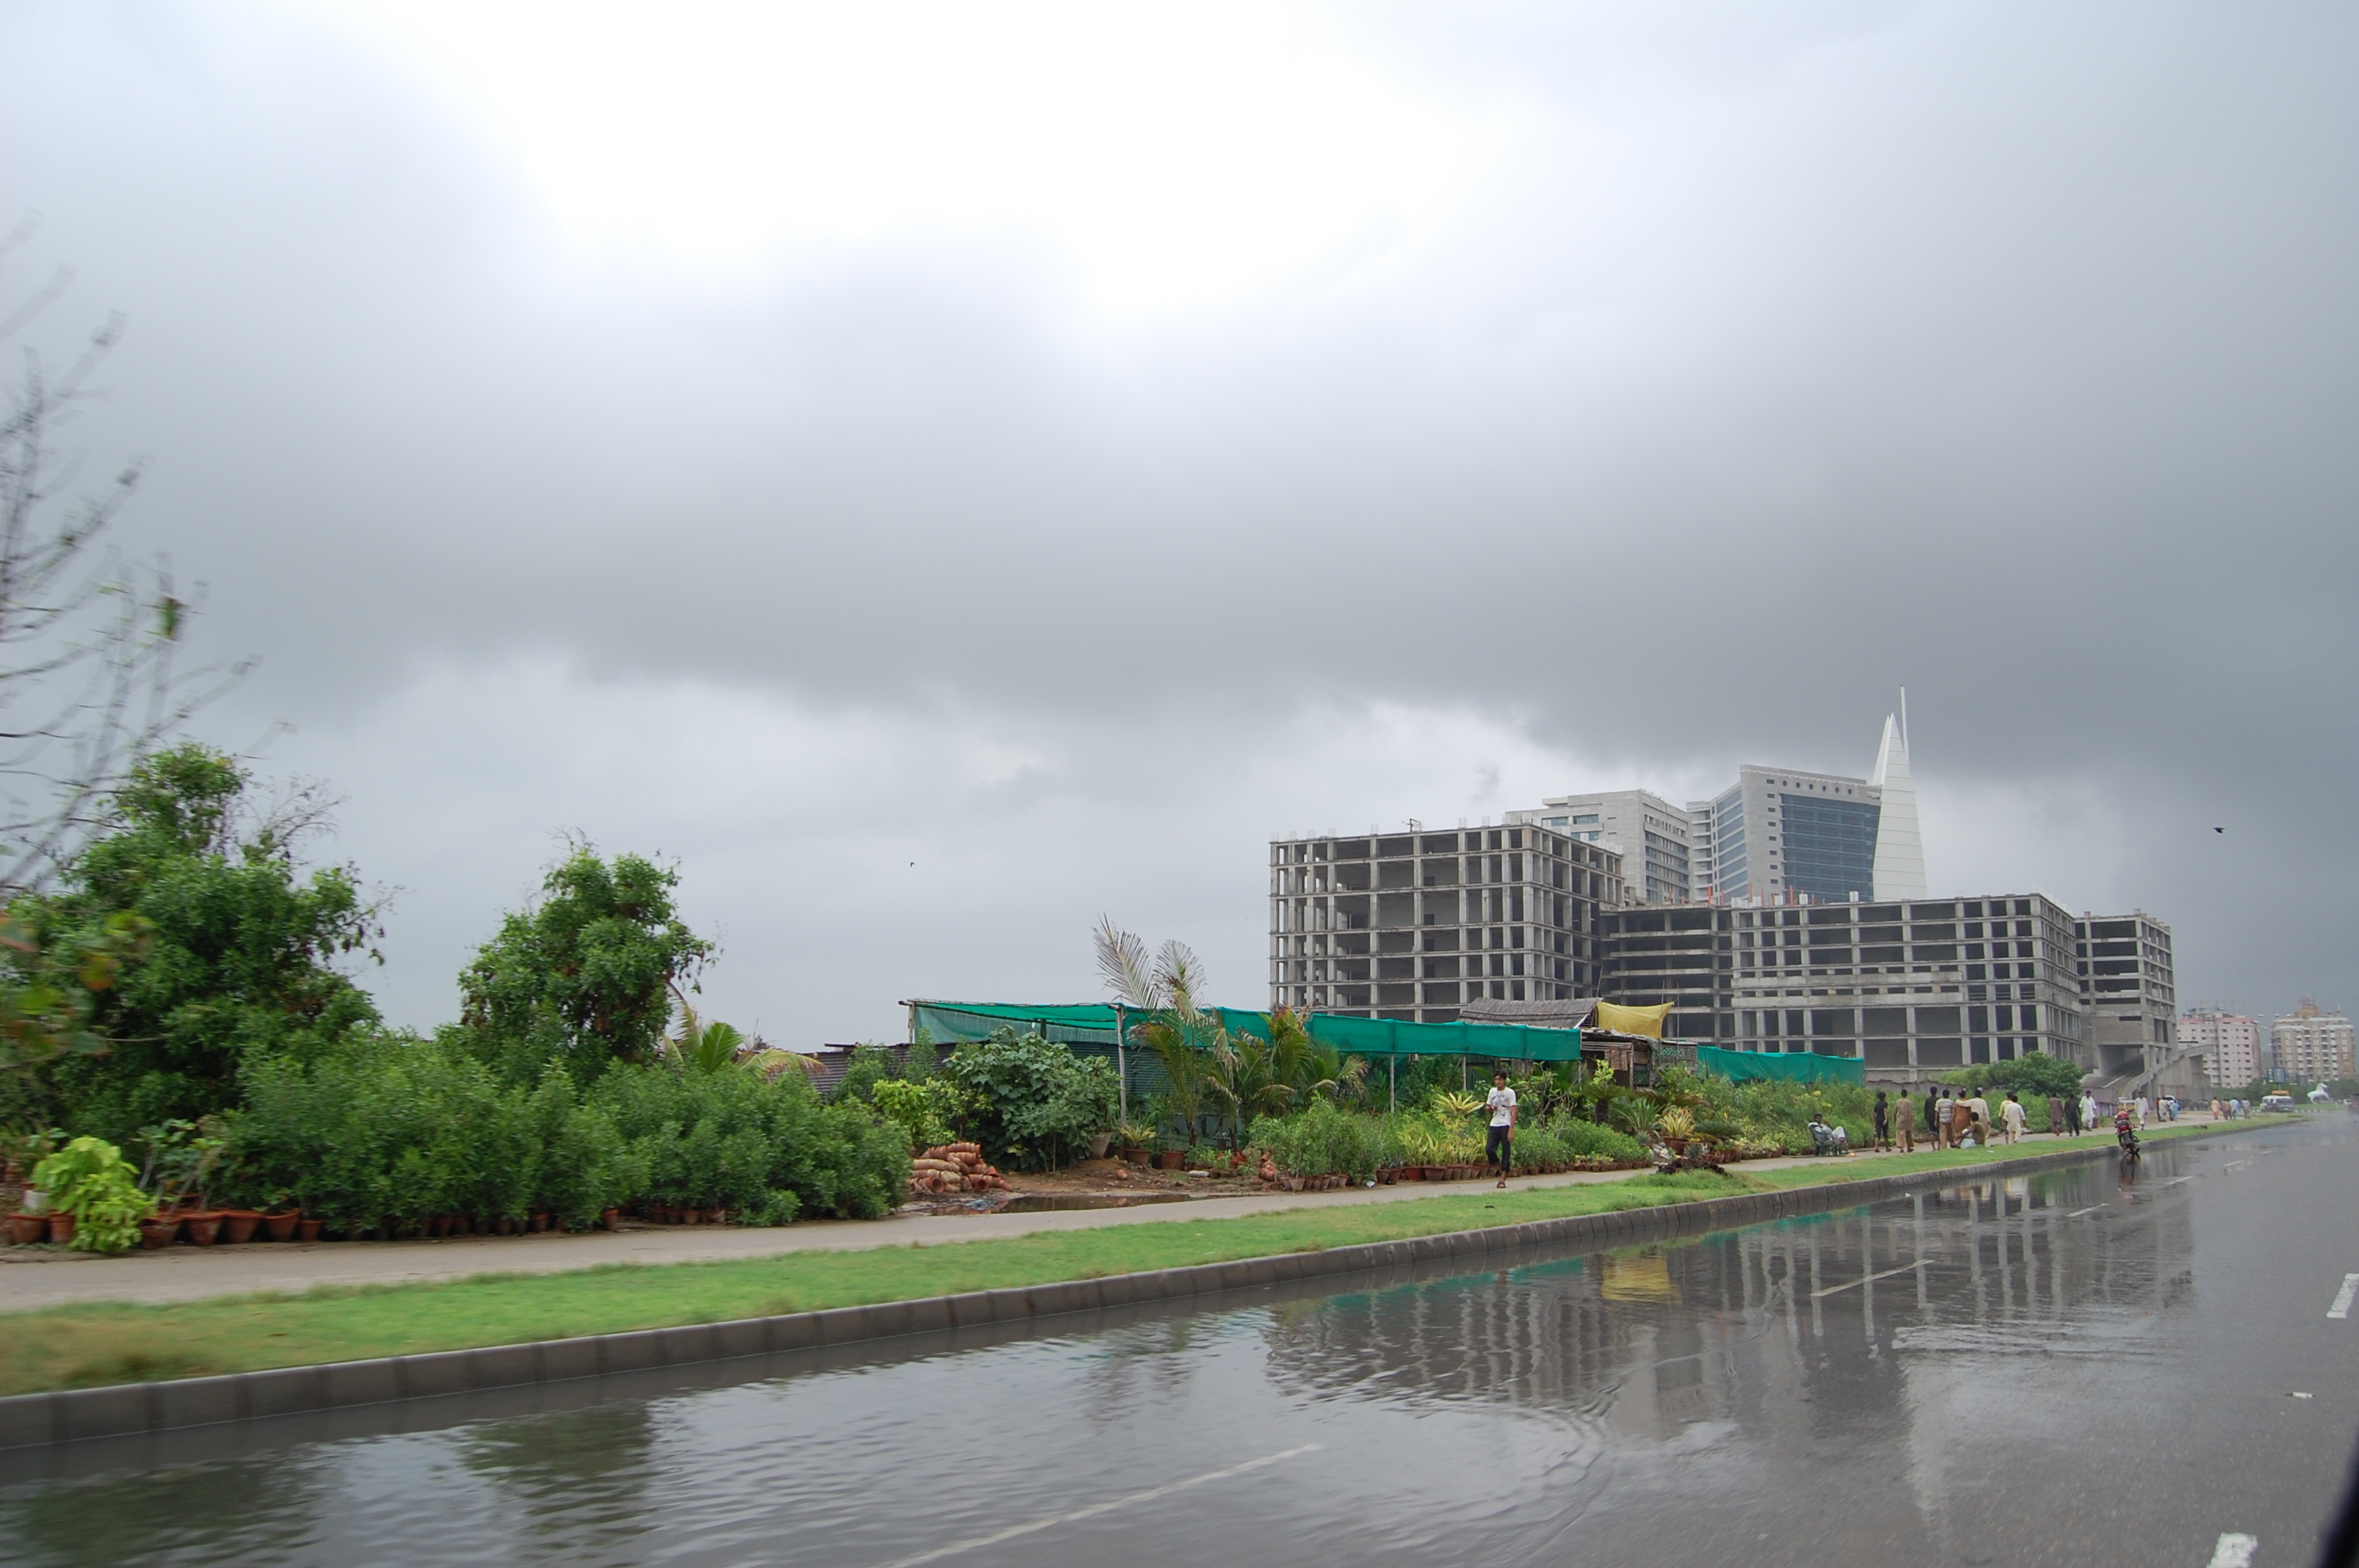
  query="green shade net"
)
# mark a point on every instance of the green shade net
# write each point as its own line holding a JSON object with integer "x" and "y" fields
{"x": 948, "y": 1022}
{"x": 1795, "y": 1066}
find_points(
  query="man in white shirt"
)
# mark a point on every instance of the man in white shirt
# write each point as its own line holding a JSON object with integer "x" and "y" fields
{"x": 2012, "y": 1114}
{"x": 1501, "y": 1102}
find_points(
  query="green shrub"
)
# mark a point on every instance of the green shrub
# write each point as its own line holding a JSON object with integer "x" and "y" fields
{"x": 1320, "y": 1140}
{"x": 1029, "y": 1103}
{"x": 925, "y": 1110}
{"x": 90, "y": 1180}
{"x": 870, "y": 1065}
{"x": 1589, "y": 1140}
{"x": 1535, "y": 1146}
{"x": 768, "y": 1150}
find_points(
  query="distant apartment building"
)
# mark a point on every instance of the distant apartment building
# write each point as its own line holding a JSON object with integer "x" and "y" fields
{"x": 1649, "y": 833}
{"x": 2311, "y": 1047}
{"x": 2230, "y": 1043}
{"x": 1412, "y": 925}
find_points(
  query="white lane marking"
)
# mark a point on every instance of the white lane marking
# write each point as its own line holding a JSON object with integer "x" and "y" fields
{"x": 2079, "y": 1212}
{"x": 1847, "y": 1284}
{"x": 2234, "y": 1551}
{"x": 2341, "y": 1307}
{"x": 974, "y": 1543}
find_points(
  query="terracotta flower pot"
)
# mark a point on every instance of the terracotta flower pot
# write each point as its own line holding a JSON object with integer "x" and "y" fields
{"x": 281, "y": 1227}
{"x": 1169, "y": 1159}
{"x": 540, "y": 1222}
{"x": 238, "y": 1225}
{"x": 612, "y": 1219}
{"x": 203, "y": 1225}
{"x": 504, "y": 1226}
{"x": 158, "y": 1233}
{"x": 62, "y": 1227}
{"x": 24, "y": 1229}
{"x": 309, "y": 1229}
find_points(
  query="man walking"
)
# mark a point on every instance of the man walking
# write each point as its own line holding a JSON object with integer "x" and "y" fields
{"x": 2055, "y": 1116}
{"x": 1501, "y": 1104}
{"x": 1945, "y": 1111}
{"x": 2087, "y": 1114}
{"x": 2012, "y": 1113}
{"x": 1904, "y": 1123}
{"x": 1882, "y": 1120}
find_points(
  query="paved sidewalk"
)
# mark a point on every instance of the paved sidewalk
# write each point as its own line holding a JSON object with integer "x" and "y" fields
{"x": 33, "y": 1279}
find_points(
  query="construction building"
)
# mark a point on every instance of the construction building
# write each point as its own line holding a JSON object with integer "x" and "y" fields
{"x": 1411, "y": 925}
{"x": 2128, "y": 991}
{"x": 1912, "y": 988}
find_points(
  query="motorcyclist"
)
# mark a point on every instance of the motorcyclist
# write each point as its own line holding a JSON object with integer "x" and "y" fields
{"x": 2125, "y": 1129}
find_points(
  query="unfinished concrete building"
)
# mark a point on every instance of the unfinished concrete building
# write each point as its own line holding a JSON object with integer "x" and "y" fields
{"x": 1411, "y": 925}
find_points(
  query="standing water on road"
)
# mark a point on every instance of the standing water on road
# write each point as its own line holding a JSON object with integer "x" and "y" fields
{"x": 2067, "y": 1368}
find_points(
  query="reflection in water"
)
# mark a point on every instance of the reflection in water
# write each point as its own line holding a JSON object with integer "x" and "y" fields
{"x": 245, "y": 1511}
{"x": 1829, "y": 1388}
{"x": 573, "y": 1480}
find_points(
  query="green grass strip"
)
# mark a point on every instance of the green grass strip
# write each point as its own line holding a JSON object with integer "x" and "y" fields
{"x": 95, "y": 1344}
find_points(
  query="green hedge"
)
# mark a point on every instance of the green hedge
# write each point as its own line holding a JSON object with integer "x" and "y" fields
{"x": 391, "y": 1129}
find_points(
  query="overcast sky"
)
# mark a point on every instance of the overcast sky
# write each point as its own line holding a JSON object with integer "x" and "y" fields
{"x": 942, "y": 473}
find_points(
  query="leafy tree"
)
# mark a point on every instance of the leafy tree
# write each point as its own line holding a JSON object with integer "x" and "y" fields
{"x": 200, "y": 941}
{"x": 585, "y": 979}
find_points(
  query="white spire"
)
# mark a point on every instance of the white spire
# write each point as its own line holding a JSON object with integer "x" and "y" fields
{"x": 1899, "y": 848}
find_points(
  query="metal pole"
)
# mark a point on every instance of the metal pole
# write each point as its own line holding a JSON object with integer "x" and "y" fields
{"x": 1121, "y": 1063}
{"x": 1392, "y": 1082}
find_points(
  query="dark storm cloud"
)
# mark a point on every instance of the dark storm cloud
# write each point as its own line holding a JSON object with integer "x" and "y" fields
{"x": 1795, "y": 353}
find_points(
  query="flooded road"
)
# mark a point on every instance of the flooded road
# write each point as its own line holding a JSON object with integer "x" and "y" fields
{"x": 2058, "y": 1368}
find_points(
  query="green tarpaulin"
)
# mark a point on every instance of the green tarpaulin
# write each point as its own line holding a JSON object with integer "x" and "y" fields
{"x": 1095, "y": 1024}
{"x": 1791, "y": 1066}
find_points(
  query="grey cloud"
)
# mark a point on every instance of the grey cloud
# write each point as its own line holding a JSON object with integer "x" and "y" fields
{"x": 2005, "y": 351}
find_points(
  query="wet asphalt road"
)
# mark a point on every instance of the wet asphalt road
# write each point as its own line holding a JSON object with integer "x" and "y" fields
{"x": 2067, "y": 1368}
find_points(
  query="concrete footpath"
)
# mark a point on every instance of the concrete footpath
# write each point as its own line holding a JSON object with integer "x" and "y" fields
{"x": 34, "y": 1280}
{"x": 187, "y": 1274}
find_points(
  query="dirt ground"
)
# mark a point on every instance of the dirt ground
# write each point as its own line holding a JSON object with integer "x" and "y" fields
{"x": 1109, "y": 1179}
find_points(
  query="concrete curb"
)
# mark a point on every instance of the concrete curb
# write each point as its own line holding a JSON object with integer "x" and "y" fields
{"x": 125, "y": 1410}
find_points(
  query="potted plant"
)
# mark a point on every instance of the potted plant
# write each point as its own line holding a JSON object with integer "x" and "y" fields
{"x": 97, "y": 1205}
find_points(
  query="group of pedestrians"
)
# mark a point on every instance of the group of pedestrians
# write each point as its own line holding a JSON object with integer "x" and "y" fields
{"x": 1953, "y": 1120}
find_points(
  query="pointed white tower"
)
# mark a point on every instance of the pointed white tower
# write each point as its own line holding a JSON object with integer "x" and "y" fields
{"x": 1899, "y": 848}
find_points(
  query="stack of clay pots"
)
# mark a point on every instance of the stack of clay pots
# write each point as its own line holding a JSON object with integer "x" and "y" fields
{"x": 953, "y": 1168}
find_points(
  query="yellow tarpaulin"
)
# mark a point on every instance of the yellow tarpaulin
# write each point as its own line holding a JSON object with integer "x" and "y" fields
{"x": 1646, "y": 1021}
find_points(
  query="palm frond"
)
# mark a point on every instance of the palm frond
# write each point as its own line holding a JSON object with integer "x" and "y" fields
{"x": 1179, "y": 975}
{"x": 1124, "y": 966}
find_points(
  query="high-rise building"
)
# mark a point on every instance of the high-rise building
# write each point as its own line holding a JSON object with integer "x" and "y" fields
{"x": 2311, "y": 1047}
{"x": 2230, "y": 1041}
{"x": 1649, "y": 833}
{"x": 1782, "y": 835}
{"x": 1777, "y": 836}
{"x": 1899, "y": 848}
{"x": 1413, "y": 925}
